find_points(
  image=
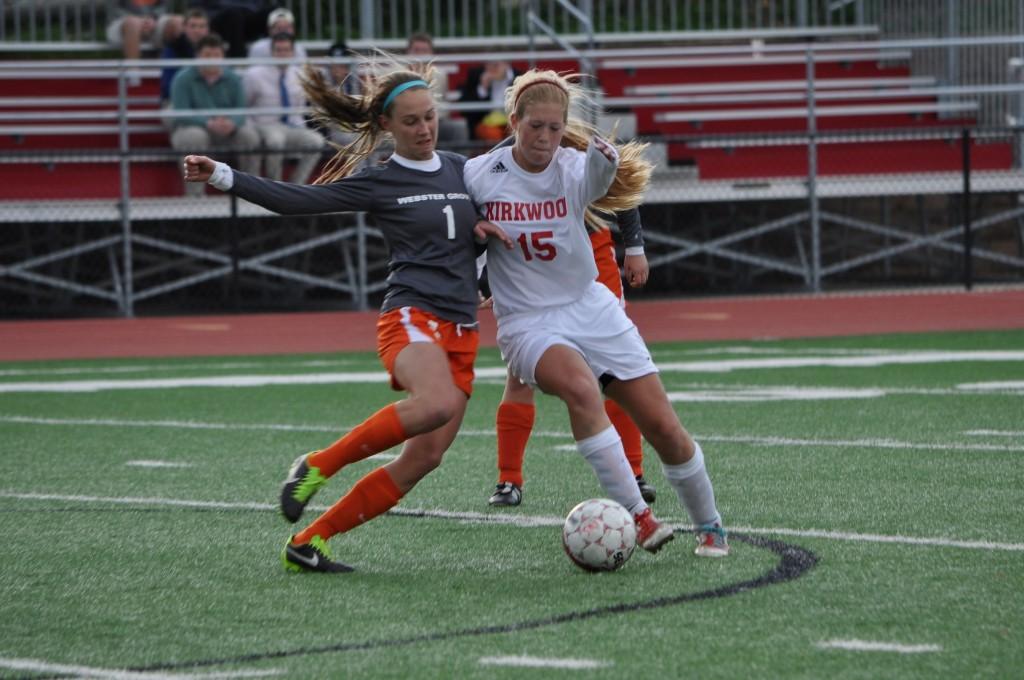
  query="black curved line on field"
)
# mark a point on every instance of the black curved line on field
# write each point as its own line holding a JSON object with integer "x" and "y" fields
{"x": 794, "y": 563}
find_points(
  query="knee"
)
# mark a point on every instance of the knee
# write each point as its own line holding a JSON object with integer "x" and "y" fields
{"x": 580, "y": 392}
{"x": 272, "y": 139}
{"x": 247, "y": 138}
{"x": 190, "y": 138}
{"x": 667, "y": 434}
{"x": 437, "y": 409}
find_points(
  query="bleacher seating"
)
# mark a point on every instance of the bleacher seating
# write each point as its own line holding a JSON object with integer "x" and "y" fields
{"x": 697, "y": 103}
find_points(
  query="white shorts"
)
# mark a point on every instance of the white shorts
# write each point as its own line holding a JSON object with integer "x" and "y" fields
{"x": 595, "y": 326}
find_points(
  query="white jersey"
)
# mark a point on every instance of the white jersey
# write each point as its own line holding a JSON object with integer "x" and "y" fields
{"x": 552, "y": 262}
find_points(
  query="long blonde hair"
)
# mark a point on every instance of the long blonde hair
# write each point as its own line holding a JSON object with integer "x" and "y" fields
{"x": 550, "y": 87}
{"x": 359, "y": 113}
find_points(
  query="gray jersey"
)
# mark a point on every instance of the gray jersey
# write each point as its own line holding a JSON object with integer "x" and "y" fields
{"x": 427, "y": 219}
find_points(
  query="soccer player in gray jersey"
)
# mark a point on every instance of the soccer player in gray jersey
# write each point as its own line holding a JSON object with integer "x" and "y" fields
{"x": 427, "y": 334}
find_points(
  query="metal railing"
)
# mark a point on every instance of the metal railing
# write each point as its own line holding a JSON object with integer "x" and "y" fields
{"x": 143, "y": 249}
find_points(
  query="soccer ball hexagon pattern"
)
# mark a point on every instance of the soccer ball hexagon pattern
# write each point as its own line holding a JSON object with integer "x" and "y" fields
{"x": 599, "y": 535}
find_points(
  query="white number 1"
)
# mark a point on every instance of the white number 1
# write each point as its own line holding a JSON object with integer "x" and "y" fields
{"x": 450, "y": 214}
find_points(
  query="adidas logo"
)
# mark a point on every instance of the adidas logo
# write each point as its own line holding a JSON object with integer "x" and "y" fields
{"x": 500, "y": 167}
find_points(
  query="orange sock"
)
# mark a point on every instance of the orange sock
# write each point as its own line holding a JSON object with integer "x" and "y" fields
{"x": 629, "y": 433}
{"x": 514, "y": 422}
{"x": 377, "y": 433}
{"x": 372, "y": 495}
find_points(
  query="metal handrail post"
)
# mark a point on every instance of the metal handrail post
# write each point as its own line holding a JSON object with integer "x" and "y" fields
{"x": 128, "y": 299}
{"x": 812, "y": 178}
{"x": 965, "y": 141}
{"x": 361, "y": 268}
{"x": 366, "y": 19}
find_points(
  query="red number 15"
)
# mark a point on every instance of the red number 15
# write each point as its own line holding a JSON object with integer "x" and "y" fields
{"x": 541, "y": 250}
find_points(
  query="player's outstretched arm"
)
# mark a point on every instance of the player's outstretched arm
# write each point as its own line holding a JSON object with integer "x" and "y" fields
{"x": 350, "y": 194}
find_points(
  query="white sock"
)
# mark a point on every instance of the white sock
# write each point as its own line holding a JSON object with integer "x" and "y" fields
{"x": 693, "y": 486}
{"x": 605, "y": 454}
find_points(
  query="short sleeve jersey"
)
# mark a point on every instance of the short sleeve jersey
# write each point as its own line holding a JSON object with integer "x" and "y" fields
{"x": 427, "y": 220}
{"x": 552, "y": 262}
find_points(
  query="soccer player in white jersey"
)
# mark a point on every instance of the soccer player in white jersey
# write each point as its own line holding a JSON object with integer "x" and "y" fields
{"x": 426, "y": 333}
{"x": 559, "y": 329}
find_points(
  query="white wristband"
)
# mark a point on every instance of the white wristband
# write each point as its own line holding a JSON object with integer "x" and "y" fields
{"x": 223, "y": 177}
{"x": 635, "y": 250}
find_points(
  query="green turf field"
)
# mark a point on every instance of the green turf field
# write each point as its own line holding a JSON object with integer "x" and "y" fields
{"x": 874, "y": 487}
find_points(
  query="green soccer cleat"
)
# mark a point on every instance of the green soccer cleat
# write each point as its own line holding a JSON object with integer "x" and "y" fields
{"x": 303, "y": 481}
{"x": 314, "y": 556}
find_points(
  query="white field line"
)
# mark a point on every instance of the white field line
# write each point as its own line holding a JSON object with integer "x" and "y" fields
{"x": 539, "y": 662}
{"x": 994, "y": 433}
{"x": 163, "y": 368}
{"x": 871, "y": 361}
{"x": 339, "y": 430}
{"x": 1009, "y": 385}
{"x": 157, "y": 464}
{"x": 742, "y": 350}
{"x": 868, "y": 646}
{"x": 523, "y": 521}
{"x": 36, "y": 666}
{"x": 710, "y": 366}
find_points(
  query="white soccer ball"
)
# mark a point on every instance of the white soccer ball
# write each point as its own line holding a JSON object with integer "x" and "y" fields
{"x": 599, "y": 535}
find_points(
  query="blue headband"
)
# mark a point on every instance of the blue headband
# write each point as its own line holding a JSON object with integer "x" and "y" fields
{"x": 400, "y": 89}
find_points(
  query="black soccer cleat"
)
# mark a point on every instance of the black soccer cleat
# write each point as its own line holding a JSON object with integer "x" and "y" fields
{"x": 302, "y": 483}
{"x": 647, "y": 492}
{"x": 314, "y": 556}
{"x": 507, "y": 494}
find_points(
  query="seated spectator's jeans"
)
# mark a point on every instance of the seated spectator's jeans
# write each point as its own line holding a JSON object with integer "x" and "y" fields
{"x": 194, "y": 139}
{"x": 293, "y": 141}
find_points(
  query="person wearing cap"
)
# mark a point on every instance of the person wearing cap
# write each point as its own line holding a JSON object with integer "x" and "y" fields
{"x": 282, "y": 134}
{"x": 279, "y": 21}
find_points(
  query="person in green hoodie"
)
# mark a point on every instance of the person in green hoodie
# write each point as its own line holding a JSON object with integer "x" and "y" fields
{"x": 212, "y": 86}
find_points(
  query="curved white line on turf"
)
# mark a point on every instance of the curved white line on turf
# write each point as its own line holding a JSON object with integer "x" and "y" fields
{"x": 36, "y": 666}
{"x": 868, "y": 646}
{"x": 539, "y": 662}
{"x": 515, "y": 519}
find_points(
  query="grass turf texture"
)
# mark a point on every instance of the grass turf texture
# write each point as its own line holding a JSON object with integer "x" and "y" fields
{"x": 91, "y": 582}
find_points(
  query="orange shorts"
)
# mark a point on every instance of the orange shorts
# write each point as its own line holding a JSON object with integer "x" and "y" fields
{"x": 604, "y": 255}
{"x": 397, "y": 328}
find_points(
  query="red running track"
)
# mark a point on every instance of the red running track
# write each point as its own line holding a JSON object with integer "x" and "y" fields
{"x": 741, "y": 318}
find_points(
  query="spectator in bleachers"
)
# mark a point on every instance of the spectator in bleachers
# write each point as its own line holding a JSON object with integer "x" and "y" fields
{"x": 238, "y": 22}
{"x": 340, "y": 76}
{"x": 279, "y": 21}
{"x": 270, "y": 86}
{"x": 449, "y": 129}
{"x": 488, "y": 83}
{"x": 138, "y": 22}
{"x": 212, "y": 86}
{"x": 196, "y": 27}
